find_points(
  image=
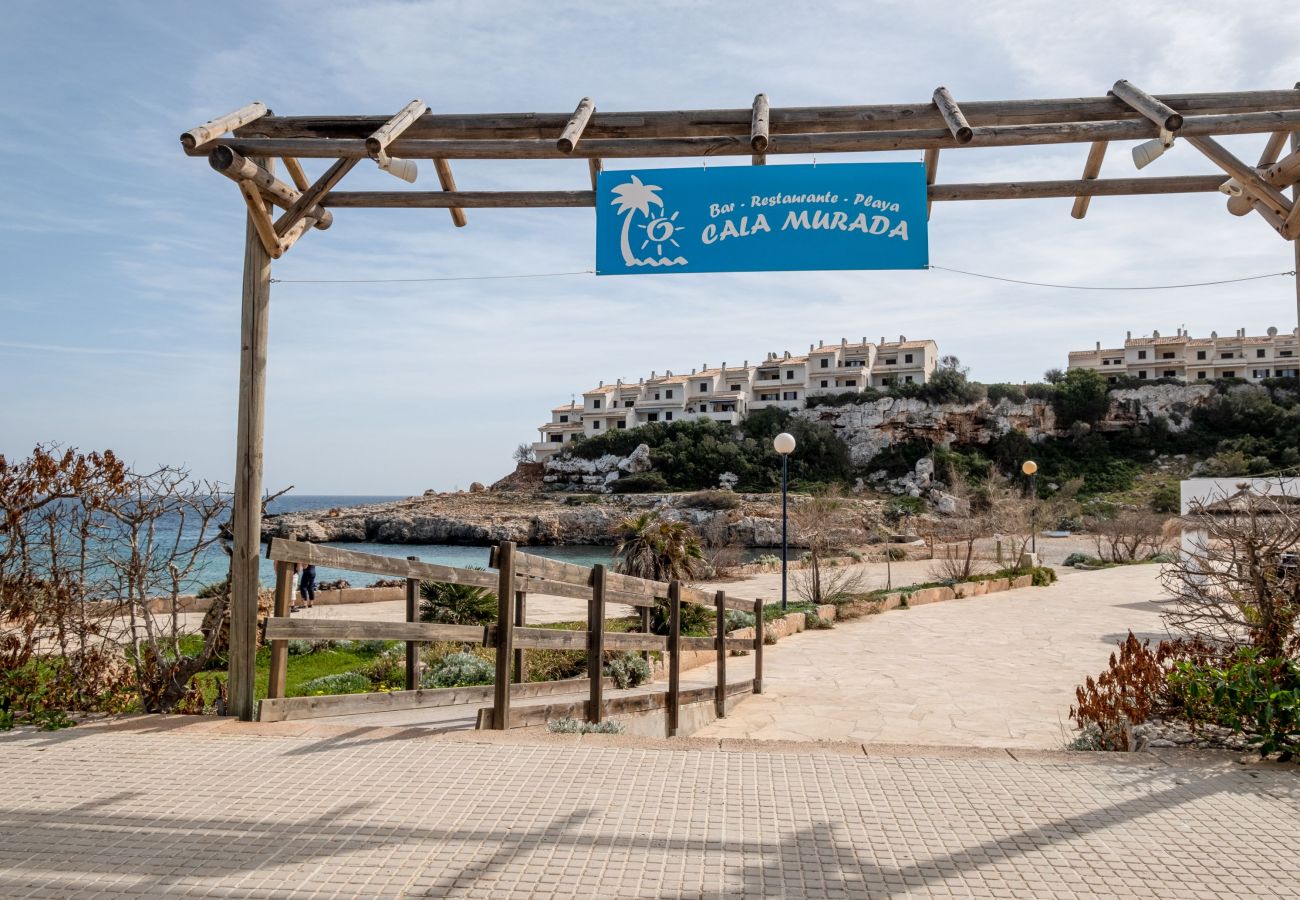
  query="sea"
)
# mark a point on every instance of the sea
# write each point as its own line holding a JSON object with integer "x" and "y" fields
{"x": 215, "y": 564}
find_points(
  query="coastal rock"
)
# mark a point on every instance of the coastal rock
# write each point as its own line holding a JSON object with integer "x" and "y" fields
{"x": 477, "y": 487}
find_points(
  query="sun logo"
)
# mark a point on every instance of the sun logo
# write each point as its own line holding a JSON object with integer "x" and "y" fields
{"x": 635, "y": 197}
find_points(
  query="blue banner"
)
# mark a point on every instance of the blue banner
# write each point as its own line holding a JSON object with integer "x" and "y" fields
{"x": 762, "y": 218}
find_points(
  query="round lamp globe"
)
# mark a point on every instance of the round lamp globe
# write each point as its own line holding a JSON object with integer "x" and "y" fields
{"x": 783, "y": 443}
{"x": 1030, "y": 467}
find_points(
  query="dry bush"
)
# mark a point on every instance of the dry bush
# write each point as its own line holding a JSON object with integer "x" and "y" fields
{"x": 1129, "y": 537}
{"x": 818, "y": 527}
{"x": 956, "y": 555}
{"x": 1237, "y": 580}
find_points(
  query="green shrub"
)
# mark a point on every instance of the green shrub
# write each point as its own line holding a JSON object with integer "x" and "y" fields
{"x": 695, "y": 618}
{"x": 1075, "y": 559}
{"x": 457, "y": 604}
{"x": 1080, "y": 397}
{"x": 999, "y": 392}
{"x": 814, "y": 622}
{"x": 459, "y": 670}
{"x": 1253, "y": 695}
{"x": 898, "y": 508}
{"x": 896, "y": 553}
{"x": 573, "y": 726}
{"x": 855, "y": 556}
{"x": 338, "y": 683}
{"x": 711, "y": 500}
{"x": 769, "y": 560}
{"x": 300, "y": 648}
{"x": 738, "y": 618}
{"x": 216, "y": 589}
{"x": 628, "y": 670}
{"x": 1042, "y": 576}
{"x": 640, "y": 483}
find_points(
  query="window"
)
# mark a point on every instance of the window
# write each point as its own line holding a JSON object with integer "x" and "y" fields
{"x": 622, "y": 423}
{"x": 668, "y": 394}
{"x": 656, "y": 396}
{"x": 1227, "y": 354}
{"x": 893, "y": 360}
{"x": 769, "y": 397}
{"x": 826, "y": 363}
{"x": 704, "y": 386}
{"x": 595, "y": 403}
{"x": 907, "y": 379}
{"x": 790, "y": 395}
{"x": 1200, "y": 354}
{"x": 1142, "y": 354}
{"x": 825, "y": 383}
{"x": 668, "y": 416}
{"x": 629, "y": 403}
{"x": 789, "y": 375}
{"x": 1200, "y": 376}
{"x": 1260, "y": 353}
{"x": 1114, "y": 379}
{"x": 1259, "y": 373}
{"x": 852, "y": 382}
{"x": 595, "y": 425}
{"x": 563, "y": 419}
{"x": 555, "y": 438}
{"x": 1142, "y": 374}
{"x": 907, "y": 358}
{"x": 1285, "y": 353}
{"x": 652, "y": 417}
{"x": 1166, "y": 355}
{"x": 1228, "y": 375}
{"x": 1169, "y": 373}
{"x": 735, "y": 387}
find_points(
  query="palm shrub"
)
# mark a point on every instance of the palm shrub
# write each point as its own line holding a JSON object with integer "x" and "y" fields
{"x": 650, "y": 546}
{"x": 457, "y": 604}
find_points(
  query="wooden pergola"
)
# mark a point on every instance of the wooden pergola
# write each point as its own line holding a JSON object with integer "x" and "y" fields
{"x": 244, "y": 144}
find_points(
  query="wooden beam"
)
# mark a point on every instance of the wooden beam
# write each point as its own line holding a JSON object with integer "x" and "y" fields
{"x": 313, "y": 196}
{"x": 596, "y": 644}
{"x": 239, "y": 168}
{"x": 1091, "y": 169}
{"x": 366, "y": 629}
{"x": 1245, "y": 175}
{"x": 721, "y": 638}
{"x": 953, "y": 116}
{"x": 505, "y": 560}
{"x": 783, "y": 120}
{"x": 674, "y": 656}
{"x": 297, "y": 231}
{"x": 412, "y": 615}
{"x": 215, "y": 128}
{"x": 377, "y": 143}
{"x": 294, "y": 168}
{"x": 1101, "y": 187}
{"x": 1272, "y": 149}
{"x": 931, "y": 173}
{"x": 1158, "y": 112}
{"x": 594, "y": 166}
{"x": 759, "y": 127}
{"x": 759, "y": 628}
{"x": 795, "y": 143}
{"x": 245, "y": 560}
{"x": 521, "y": 620}
{"x": 448, "y": 184}
{"x": 459, "y": 199}
{"x": 574, "y": 127}
{"x": 374, "y": 563}
{"x": 261, "y": 219}
{"x": 1285, "y": 172}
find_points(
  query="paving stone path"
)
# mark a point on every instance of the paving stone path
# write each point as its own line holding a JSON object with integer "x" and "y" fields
{"x": 170, "y": 807}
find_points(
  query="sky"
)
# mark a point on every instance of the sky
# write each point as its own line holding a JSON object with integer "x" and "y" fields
{"x": 119, "y": 312}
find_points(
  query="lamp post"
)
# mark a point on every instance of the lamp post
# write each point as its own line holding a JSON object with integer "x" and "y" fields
{"x": 1030, "y": 468}
{"x": 783, "y": 443}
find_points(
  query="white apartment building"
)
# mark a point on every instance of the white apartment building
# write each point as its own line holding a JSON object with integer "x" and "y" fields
{"x": 727, "y": 393}
{"x": 1181, "y": 356}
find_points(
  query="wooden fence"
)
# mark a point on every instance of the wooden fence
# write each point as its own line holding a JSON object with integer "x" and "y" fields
{"x": 518, "y": 574}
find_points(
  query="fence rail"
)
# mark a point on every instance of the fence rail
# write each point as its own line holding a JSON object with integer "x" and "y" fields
{"x": 517, "y": 575}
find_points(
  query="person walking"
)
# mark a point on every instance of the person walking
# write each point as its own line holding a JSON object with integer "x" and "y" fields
{"x": 293, "y": 587}
{"x": 307, "y": 585}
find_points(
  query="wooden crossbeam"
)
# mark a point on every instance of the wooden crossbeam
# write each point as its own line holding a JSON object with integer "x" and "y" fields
{"x": 594, "y": 166}
{"x": 377, "y": 143}
{"x": 239, "y": 168}
{"x": 574, "y": 127}
{"x": 1157, "y": 111}
{"x": 1246, "y": 176}
{"x": 1285, "y": 172}
{"x": 1272, "y": 148}
{"x": 261, "y": 219}
{"x": 1091, "y": 169}
{"x": 294, "y": 168}
{"x": 760, "y": 128}
{"x": 313, "y": 195}
{"x": 953, "y": 117}
{"x": 448, "y": 183}
{"x": 215, "y": 128}
{"x": 931, "y": 173}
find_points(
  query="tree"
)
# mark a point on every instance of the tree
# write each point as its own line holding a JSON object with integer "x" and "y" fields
{"x": 524, "y": 453}
{"x": 659, "y": 549}
{"x": 1053, "y": 376}
{"x": 1080, "y": 397}
{"x": 1238, "y": 580}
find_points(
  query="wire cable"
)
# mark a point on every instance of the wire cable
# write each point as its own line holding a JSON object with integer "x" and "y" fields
{"x": 412, "y": 280}
{"x": 1089, "y": 287}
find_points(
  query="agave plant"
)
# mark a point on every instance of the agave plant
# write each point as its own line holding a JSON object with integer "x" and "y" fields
{"x": 457, "y": 604}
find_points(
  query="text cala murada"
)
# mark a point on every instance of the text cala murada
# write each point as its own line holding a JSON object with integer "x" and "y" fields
{"x": 802, "y": 220}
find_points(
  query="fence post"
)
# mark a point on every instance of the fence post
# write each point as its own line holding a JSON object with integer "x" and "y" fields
{"x": 280, "y": 649}
{"x": 759, "y": 633}
{"x": 412, "y": 614}
{"x": 674, "y": 655}
{"x": 720, "y": 699}
{"x": 505, "y": 559}
{"x": 645, "y": 629}
{"x": 521, "y": 619}
{"x": 596, "y": 644}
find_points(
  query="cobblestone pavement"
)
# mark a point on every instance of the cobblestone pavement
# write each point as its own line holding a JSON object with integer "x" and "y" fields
{"x": 154, "y": 807}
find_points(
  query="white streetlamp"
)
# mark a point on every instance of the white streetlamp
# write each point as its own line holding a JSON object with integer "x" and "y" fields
{"x": 1030, "y": 468}
{"x": 783, "y": 444}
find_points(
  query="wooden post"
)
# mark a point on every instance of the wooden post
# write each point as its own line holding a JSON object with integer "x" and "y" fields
{"x": 645, "y": 629}
{"x": 1091, "y": 169}
{"x": 596, "y": 644}
{"x": 1295, "y": 242}
{"x": 505, "y": 559}
{"x": 674, "y": 656}
{"x": 931, "y": 172}
{"x": 280, "y": 649}
{"x": 245, "y": 561}
{"x": 577, "y": 123}
{"x": 759, "y": 132}
{"x": 953, "y": 116}
{"x": 594, "y": 166}
{"x": 521, "y": 619}
{"x": 758, "y": 646}
{"x": 720, "y": 699}
{"x": 412, "y": 615}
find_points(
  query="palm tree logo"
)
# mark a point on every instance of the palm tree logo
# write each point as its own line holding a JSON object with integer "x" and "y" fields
{"x": 637, "y": 197}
